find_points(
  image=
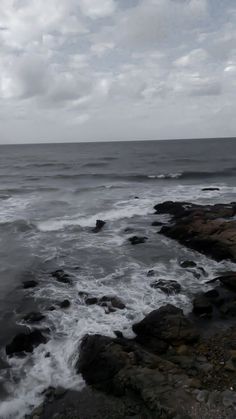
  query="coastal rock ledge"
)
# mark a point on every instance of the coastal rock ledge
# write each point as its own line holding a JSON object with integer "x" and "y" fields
{"x": 209, "y": 229}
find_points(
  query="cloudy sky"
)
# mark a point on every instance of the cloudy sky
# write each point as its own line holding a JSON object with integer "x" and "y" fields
{"x": 88, "y": 70}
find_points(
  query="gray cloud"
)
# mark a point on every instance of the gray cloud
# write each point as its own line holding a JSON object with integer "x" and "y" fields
{"x": 114, "y": 70}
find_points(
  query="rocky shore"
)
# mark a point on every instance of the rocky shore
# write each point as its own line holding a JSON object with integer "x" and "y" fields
{"x": 176, "y": 366}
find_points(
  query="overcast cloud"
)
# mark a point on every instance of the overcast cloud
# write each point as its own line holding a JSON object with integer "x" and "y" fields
{"x": 93, "y": 70}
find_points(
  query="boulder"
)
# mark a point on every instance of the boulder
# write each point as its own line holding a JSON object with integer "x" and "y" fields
{"x": 30, "y": 284}
{"x": 99, "y": 225}
{"x": 25, "y": 342}
{"x": 157, "y": 224}
{"x": 137, "y": 239}
{"x": 61, "y": 276}
{"x": 168, "y": 287}
{"x": 34, "y": 317}
{"x": 202, "y": 306}
{"x": 167, "y": 324}
{"x": 91, "y": 301}
{"x": 228, "y": 280}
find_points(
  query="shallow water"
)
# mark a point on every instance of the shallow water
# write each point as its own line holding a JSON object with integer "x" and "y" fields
{"x": 50, "y": 197}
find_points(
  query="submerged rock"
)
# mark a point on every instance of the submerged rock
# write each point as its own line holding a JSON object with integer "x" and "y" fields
{"x": 157, "y": 224}
{"x": 188, "y": 264}
{"x": 137, "y": 239}
{"x": 99, "y": 225}
{"x": 168, "y": 287}
{"x": 110, "y": 303}
{"x": 30, "y": 284}
{"x": 25, "y": 342}
{"x": 61, "y": 276}
{"x": 210, "y": 189}
{"x": 34, "y": 317}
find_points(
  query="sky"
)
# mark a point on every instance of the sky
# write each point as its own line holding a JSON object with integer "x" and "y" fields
{"x": 106, "y": 70}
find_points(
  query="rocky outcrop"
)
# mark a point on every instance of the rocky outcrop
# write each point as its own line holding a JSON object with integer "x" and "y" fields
{"x": 99, "y": 225}
{"x": 209, "y": 229}
{"x": 61, "y": 276}
{"x": 25, "y": 342}
{"x": 168, "y": 287}
{"x": 30, "y": 284}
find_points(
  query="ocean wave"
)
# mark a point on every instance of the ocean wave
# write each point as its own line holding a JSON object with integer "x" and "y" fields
{"x": 18, "y": 226}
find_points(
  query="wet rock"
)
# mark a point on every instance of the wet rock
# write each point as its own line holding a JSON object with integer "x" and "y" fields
{"x": 167, "y": 324}
{"x": 157, "y": 224}
{"x": 228, "y": 280}
{"x": 202, "y": 396}
{"x": 229, "y": 309}
{"x": 113, "y": 301}
{"x": 210, "y": 189}
{"x": 118, "y": 334}
{"x": 65, "y": 304}
{"x": 188, "y": 264}
{"x": 91, "y": 301}
{"x": 202, "y": 306}
{"x": 208, "y": 229}
{"x": 99, "y": 225}
{"x": 137, "y": 240}
{"x": 212, "y": 294}
{"x": 34, "y": 317}
{"x": 30, "y": 284}
{"x": 168, "y": 287}
{"x": 25, "y": 342}
{"x": 61, "y": 276}
{"x": 128, "y": 230}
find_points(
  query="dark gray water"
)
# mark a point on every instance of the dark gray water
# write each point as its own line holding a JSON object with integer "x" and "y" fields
{"x": 50, "y": 197}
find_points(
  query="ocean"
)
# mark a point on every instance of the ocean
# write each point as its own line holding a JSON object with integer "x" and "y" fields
{"x": 50, "y": 198}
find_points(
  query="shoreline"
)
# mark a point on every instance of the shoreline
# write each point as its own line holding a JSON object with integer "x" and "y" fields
{"x": 171, "y": 369}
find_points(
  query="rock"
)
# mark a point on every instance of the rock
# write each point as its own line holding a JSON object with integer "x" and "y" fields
{"x": 118, "y": 334}
{"x": 113, "y": 301}
{"x": 167, "y": 324}
{"x": 229, "y": 398}
{"x": 229, "y": 309}
{"x": 128, "y": 230}
{"x": 91, "y": 301}
{"x": 61, "y": 276}
{"x": 137, "y": 240}
{"x": 202, "y": 396}
{"x": 210, "y": 189}
{"x": 182, "y": 350}
{"x": 30, "y": 284}
{"x": 212, "y": 294}
{"x": 99, "y": 225}
{"x": 157, "y": 224}
{"x": 34, "y": 317}
{"x": 209, "y": 229}
{"x": 168, "y": 287}
{"x": 202, "y": 306}
{"x": 64, "y": 304}
{"x": 25, "y": 342}
{"x": 228, "y": 280}
{"x": 188, "y": 264}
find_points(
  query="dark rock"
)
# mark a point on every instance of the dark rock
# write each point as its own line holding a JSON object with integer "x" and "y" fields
{"x": 34, "y": 317}
{"x": 209, "y": 229}
{"x": 91, "y": 301}
{"x": 99, "y": 225}
{"x": 61, "y": 276}
{"x": 97, "y": 368}
{"x": 188, "y": 264}
{"x": 118, "y": 334}
{"x": 168, "y": 324}
{"x": 168, "y": 287}
{"x": 229, "y": 309}
{"x": 210, "y": 189}
{"x": 30, "y": 284}
{"x": 202, "y": 306}
{"x": 25, "y": 342}
{"x": 157, "y": 224}
{"x": 228, "y": 280}
{"x": 212, "y": 294}
{"x": 128, "y": 230}
{"x": 83, "y": 294}
{"x": 114, "y": 301}
{"x": 64, "y": 304}
{"x": 137, "y": 240}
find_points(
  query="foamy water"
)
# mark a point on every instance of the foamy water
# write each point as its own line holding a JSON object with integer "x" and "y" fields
{"x": 47, "y": 224}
